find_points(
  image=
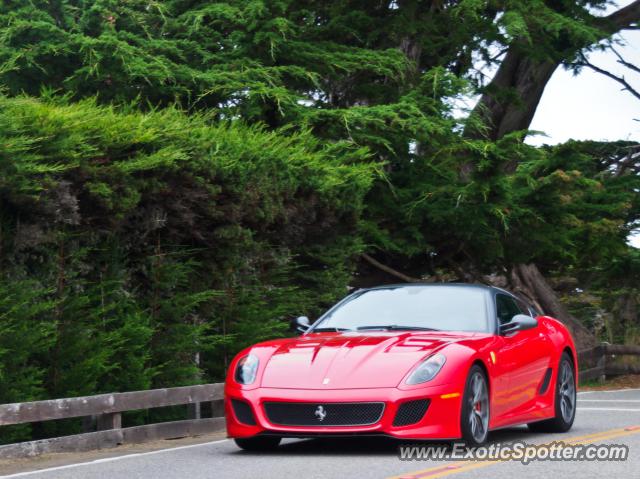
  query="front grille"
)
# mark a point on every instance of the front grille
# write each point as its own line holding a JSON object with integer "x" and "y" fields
{"x": 243, "y": 412}
{"x": 410, "y": 412}
{"x": 324, "y": 414}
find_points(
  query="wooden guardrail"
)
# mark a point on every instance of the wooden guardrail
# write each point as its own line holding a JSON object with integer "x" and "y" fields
{"x": 108, "y": 409}
{"x": 597, "y": 362}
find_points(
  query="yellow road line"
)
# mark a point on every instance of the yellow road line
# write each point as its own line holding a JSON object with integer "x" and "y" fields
{"x": 624, "y": 432}
{"x": 597, "y": 435}
{"x": 463, "y": 466}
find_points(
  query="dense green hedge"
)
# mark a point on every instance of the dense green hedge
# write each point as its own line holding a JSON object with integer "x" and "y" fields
{"x": 133, "y": 241}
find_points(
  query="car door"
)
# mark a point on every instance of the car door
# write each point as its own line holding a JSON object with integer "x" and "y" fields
{"x": 524, "y": 358}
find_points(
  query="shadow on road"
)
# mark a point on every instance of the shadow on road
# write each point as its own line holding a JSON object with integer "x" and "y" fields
{"x": 345, "y": 446}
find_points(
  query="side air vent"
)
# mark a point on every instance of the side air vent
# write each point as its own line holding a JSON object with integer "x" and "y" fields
{"x": 411, "y": 412}
{"x": 545, "y": 381}
{"x": 243, "y": 412}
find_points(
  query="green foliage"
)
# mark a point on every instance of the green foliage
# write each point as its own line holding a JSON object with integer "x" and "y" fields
{"x": 179, "y": 178}
{"x": 27, "y": 332}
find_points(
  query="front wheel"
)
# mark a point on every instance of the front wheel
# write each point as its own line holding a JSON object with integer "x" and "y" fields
{"x": 565, "y": 400}
{"x": 258, "y": 443}
{"x": 474, "y": 420}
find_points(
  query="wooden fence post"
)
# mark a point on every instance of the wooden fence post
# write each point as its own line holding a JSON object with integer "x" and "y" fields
{"x": 109, "y": 421}
{"x": 193, "y": 411}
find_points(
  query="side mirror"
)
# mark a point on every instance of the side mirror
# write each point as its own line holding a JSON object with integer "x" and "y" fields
{"x": 302, "y": 324}
{"x": 519, "y": 322}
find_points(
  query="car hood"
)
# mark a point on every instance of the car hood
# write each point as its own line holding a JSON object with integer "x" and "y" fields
{"x": 351, "y": 360}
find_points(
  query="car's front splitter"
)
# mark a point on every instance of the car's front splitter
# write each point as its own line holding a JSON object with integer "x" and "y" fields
{"x": 440, "y": 421}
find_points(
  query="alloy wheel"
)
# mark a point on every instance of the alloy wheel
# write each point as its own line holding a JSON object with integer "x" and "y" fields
{"x": 479, "y": 407}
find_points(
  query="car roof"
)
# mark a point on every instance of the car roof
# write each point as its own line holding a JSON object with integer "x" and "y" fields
{"x": 490, "y": 288}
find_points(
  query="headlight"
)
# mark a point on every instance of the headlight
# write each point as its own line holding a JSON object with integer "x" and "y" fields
{"x": 247, "y": 369}
{"x": 427, "y": 370}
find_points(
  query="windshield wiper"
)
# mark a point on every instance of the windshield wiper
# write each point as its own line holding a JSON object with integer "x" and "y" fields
{"x": 396, "y": 327}
{"x": 329, "y": 330}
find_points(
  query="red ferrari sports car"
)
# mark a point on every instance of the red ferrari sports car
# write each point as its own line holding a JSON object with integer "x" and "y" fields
{"x": 417, "y": 361}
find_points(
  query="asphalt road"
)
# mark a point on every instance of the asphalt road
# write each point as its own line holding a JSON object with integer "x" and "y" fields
{"x": 604, "y": 417}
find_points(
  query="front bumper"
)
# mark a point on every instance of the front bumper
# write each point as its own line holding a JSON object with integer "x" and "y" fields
{"x": 441, "y": 420}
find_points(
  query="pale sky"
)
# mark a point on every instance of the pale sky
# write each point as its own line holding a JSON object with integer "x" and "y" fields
{"x": 592, "y": 106}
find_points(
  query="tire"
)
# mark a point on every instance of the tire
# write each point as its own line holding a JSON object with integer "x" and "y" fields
{"x": 258, "y": 443}
{"x": 474, "y": 417}
{"x": 564, "y": 400}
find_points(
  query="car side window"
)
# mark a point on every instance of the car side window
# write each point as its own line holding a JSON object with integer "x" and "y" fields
{"x": 525, "y": 309}
{"x": 533, "y": 311}
{"x": 506, "y": 308}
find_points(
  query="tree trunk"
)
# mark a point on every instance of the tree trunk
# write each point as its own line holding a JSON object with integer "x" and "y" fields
{"x": 512, "y": 97}
{"x": 527, "y": 280}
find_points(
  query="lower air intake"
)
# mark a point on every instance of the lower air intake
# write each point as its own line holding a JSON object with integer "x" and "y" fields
{"x": 243, "y": 412}
{"x": 411, "y": 412}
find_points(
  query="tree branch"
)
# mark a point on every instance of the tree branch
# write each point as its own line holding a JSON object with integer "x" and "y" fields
{"x": 628, "y": 163}
{"x": 388, "y": 269}
{"x": 625, "y": 63}
{"x": 585, "y": 63}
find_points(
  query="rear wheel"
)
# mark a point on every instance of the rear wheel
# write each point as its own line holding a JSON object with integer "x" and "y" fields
{"x": 565, "y": 400}
{"x": 474, "y": 420}
{"x": 258, "y": 443}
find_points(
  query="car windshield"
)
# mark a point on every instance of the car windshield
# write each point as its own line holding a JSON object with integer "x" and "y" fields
{"x": 448, "y": 308}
